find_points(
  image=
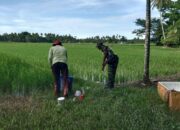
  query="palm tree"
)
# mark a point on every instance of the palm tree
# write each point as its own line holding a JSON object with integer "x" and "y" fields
{"x": 159, "y": 4}
{"x": 146, "y": 79}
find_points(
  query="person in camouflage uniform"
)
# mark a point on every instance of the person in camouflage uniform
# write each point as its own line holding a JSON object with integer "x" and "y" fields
{"x": 112, "y": 60}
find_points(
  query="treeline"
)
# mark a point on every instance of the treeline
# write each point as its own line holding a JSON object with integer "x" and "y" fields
{"x": 165, "y": 30}
{"x": 50, "y": 37}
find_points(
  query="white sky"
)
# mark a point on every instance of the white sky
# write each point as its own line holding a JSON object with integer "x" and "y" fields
{"x": 81, "y": 18}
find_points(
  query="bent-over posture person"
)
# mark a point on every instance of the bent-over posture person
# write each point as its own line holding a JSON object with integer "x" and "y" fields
{"x": 58, "y": 61}
{"x": 112, "y": 60}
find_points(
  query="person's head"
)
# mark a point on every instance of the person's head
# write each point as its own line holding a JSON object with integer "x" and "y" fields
{"x": 57, "y": 42}
{"x": 99, "y": 45}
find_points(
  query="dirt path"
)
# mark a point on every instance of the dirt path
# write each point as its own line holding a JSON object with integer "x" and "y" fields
{"x": 139, "y": 83}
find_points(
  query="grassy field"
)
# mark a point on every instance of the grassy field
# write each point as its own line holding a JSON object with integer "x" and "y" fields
{"x": 27, "y": 101}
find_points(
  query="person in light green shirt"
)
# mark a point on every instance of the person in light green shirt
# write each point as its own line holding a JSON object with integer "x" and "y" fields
{"x": 57, "y": 59}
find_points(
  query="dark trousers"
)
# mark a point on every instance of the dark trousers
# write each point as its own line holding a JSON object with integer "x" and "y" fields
{"x": 59, "y": 69}
{"x": 111, "y": 74}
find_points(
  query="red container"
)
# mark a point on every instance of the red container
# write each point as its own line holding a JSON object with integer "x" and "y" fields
{"x": 81, "y": 97}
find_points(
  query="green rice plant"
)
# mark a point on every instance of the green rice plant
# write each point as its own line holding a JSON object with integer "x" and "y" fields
{"x": 18, "y": 76}
{"x": 84, "y": 62}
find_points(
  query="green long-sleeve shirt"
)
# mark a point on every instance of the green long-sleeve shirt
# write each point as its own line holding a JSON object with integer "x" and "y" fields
{"x": 57, "y": 54}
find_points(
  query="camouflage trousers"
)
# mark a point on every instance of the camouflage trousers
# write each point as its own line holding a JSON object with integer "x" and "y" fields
{"x": 111, "y": 74}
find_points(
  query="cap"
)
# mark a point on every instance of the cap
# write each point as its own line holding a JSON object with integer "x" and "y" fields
{"x": 99, "y": 45}
{"x": 57, "y": 42}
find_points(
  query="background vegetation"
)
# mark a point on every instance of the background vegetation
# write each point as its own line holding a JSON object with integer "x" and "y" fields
{"x": 168, "y": 22}
{"x": 49, "y": 37}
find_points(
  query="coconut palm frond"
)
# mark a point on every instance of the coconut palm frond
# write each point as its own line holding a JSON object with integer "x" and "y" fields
{"x": 159, "y": 3}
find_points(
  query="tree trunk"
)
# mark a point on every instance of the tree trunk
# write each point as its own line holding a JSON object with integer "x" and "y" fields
{"x": 162, "y": 27}
{"x": 146, "y": 79}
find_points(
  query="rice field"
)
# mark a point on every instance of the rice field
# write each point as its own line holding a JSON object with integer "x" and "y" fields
{"x": 24, "y": 65}
{"x": 26, "y": 90}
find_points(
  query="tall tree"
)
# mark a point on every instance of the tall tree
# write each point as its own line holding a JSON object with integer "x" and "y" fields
{"x": 146, "y": 79}
{"x": 159, "y": 4}
{"x": 156, "y": 32}
{"x": 172, "y": 18}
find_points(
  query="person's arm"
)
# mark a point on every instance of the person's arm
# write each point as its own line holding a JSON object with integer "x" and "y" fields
{"x": 50, "y": 56}
{"x": 105, "y": 52}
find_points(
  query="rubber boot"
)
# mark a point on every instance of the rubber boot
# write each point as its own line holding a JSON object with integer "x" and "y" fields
{"x": 55, "y": 90}
{"x": 65, "y": 92}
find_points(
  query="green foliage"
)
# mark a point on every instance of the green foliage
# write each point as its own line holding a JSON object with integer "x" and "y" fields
{"x": 156, "y": 32}
{"x": 173, "y": 35}
{"x": 160, "y": 4}
{"x": 170, "y": 17}
{"x": 172, "y": 14}
{"x": 140, "y": 32}
{"x": 50, "y": 37}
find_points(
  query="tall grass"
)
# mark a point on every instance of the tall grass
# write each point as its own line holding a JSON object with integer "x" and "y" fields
{"x": 19, "y": 77}
{"x": 24, "y": 65}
